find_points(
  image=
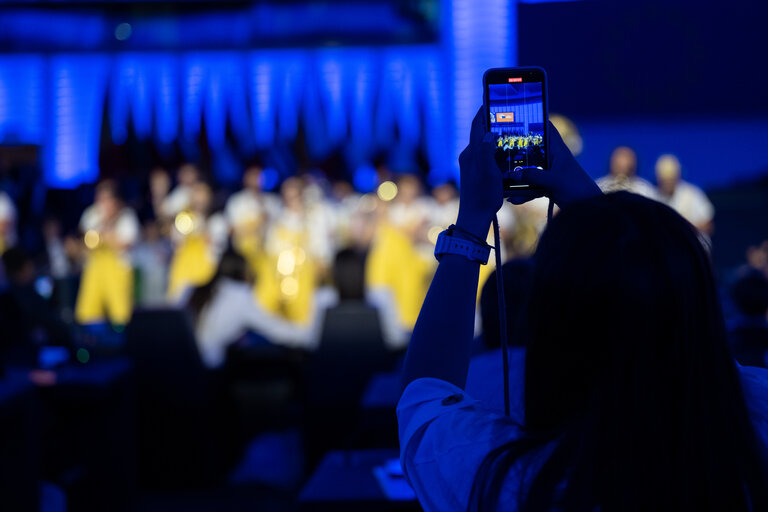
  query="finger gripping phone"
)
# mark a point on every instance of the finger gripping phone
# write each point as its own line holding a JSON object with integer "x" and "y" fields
{"x": 515, "y": 101}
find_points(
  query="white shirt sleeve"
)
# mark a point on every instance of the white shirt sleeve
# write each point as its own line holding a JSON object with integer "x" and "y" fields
{"x": 127, "y": 227}
{"x": 445, "y": 436}
{"x": 275, "y": 329}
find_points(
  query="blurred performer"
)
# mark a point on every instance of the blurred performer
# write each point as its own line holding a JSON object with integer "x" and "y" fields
{"x": 106, "y": 286}
{"x": 247, "y": 212}
{"x": 395, "y": 260}
{"x": 200, "y": 237}
{"x": 623, "y": 175}
{"x": 159, "y": 186}
{"x": 7, "y": 223}
{"x": 180, "y": 197}
{"x": 687, "y": 199}
{"x": 345, "y": 207}
{"x": 296, "y": 245}
{"x": 445, "y": 209}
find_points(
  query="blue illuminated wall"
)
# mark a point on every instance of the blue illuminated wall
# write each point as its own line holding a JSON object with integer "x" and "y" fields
{"x": 364, "y": 100}
{"x": 398, "y": 99}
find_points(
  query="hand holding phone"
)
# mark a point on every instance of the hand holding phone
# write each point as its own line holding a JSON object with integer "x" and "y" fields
{"x": 515, "y": 101}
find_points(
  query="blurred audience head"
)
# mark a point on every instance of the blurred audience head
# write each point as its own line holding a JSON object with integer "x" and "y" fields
{"x": 349, "y": 274}
{"x": 667, "y": 173}
{"x": 623, "y": 163}
{"x": 19, "y": 267}
{"x": 750, "y": 293}
{"x": 627, "y": 347}
{"x": 517, "y": 275}
{"x": 619, "y": 280}
{"x": 233, "y": 266}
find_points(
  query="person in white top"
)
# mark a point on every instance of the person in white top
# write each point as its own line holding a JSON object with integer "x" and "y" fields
{"x": 180, "y": 197}
{"x": 7, "y": 223}
{"x": 623, "y": 175}
{"x": 685, "y": 198}
{"x": 224, "y": 309}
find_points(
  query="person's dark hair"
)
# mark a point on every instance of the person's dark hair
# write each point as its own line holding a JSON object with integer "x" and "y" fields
{"x": 14, "y": 262}
{"x": 750, "y": 293}
{"x": 349, "y": 274}
{"x": 517, "y": 275}
{"x": 232, "y": 266}
{"x": 628, "y": 372}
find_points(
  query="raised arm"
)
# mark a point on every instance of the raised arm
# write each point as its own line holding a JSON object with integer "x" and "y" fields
{"x": 440, "y": 346}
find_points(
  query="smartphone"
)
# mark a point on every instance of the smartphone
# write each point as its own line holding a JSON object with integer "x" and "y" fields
{"x": 515, "y": 102}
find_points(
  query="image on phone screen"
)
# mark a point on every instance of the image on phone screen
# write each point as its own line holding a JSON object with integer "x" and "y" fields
{"x": 517, "y": 120}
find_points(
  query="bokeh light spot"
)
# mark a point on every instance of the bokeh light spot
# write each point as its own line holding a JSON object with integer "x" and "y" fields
{"x": 387, "y": 191}
{"x": 92, "y": 239}
{"x": 83, "y": 356}
{"x": 289, "y": 287}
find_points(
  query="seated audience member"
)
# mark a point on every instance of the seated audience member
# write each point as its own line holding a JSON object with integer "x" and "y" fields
{"x": 224, "y": 310}
{"x": 349, "y": 286}
{"x": 685, "y": 198}
{"x": 28, "y": 321}
{"x": 623, "y": 175}
{"x": 485, "y": 378}
{"x": 748, "y": 332}
{"x": 620, "y": 412}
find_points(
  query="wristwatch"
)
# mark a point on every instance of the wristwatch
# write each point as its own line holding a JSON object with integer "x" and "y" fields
{"x": 448, "y": 244}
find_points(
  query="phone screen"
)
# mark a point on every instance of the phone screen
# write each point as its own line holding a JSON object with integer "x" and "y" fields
{"x": 517, "y": 118}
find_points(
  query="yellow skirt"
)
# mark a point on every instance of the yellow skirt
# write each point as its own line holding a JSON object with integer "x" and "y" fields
{"x": 192, "y": 265}
{"x": 106, "y": 289}
{"x": 394, "y": 262}
{"x": 289, "y": 296}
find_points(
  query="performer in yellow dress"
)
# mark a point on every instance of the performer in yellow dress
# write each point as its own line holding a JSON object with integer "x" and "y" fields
{"x": 297, "y": 249}
{"x": 199, "y": 238}
{"x": 396, "y": 260}
{"x": 247, "y": 213}
{"x": 106, "y": 284}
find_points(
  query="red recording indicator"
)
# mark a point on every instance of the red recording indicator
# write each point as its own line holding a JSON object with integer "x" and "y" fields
{"x": 516, "y": 79}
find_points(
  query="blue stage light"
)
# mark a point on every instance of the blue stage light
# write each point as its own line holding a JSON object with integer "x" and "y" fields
{"x": 365, "y": 179}
{"x": 269, "y": 179}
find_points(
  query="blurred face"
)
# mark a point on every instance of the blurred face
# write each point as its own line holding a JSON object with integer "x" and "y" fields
{"x": 444, "y": 193}
{"x": 188, "y": 175}
{"x": 408, "y": 189}
{"x": 200, "y": 198}
{"x": 667, "y": 173}
{"x": 291, "y": 192}
{"x": 107, "y": 203}
{"x": 159, "y": 182}
{"x": 623, "y": 162}
{"x": 252, "y": 178}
